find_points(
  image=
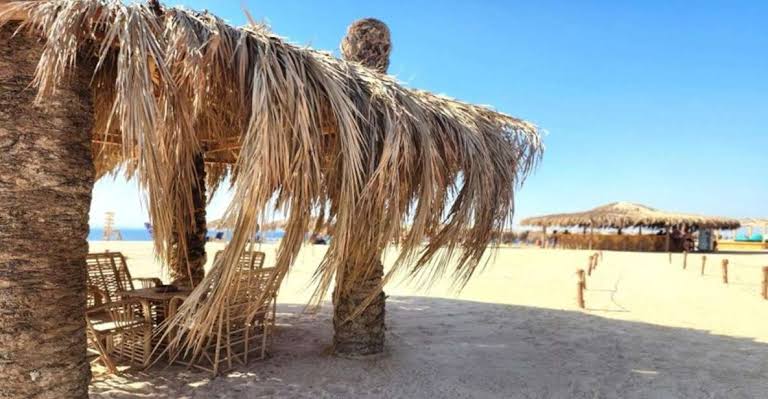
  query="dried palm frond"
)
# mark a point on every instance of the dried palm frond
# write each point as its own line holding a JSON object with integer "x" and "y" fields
{"x": 314, "y": 135}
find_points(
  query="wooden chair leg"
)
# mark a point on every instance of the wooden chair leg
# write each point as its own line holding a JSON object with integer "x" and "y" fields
{"x": 104, "y": 355}
{"x": 265, "y": 333}
{"x": 246, "y": 343}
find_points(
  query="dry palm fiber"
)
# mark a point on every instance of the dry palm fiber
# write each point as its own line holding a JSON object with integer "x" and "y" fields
{"x": 178, "y": 81}
{"x": 368, "y": 42}
{"x": 626, "y": 214}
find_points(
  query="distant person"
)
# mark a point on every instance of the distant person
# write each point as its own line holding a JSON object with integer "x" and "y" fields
{"x": 317, "y": 239}
{"x": 688, "y": 244}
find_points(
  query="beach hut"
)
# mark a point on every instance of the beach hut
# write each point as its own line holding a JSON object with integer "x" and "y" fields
{"x": 159, "y": 90}
{"x": 623, "y": 215}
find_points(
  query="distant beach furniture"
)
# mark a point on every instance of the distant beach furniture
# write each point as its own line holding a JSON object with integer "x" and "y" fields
{"x": 748, "y": 239}
{"x": 750, "y": 235}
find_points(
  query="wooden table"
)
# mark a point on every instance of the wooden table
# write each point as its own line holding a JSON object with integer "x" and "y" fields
{"x": 155, "y": 303}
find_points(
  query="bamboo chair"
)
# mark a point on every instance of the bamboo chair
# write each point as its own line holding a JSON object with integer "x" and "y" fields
{"x": 237, "y": 335}
{"x": 108, "y": 275}
{"x": 120, "y": 329}
{"x": 249, "y": 260}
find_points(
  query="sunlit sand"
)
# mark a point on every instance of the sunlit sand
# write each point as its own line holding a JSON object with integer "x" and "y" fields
{"x": 650, "y": 329}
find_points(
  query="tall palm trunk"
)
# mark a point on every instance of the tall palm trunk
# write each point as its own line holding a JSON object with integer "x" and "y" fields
{"x": 368, "y": 42}
{"x": 363, "y": 334}
{"x": 188, "y": 269}
{"x": 46, "y": 180}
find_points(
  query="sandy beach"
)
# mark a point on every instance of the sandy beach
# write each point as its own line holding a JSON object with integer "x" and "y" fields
{"x": 650, "y": 330}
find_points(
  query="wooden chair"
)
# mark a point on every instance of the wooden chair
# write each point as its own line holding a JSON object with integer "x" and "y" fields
{"x": 251, "y": 260}
{"x": 108, "y": 275}
{"x": 120, "y": 329}
{"x": 241, "y": 330}
{"x": 248, "y": 260}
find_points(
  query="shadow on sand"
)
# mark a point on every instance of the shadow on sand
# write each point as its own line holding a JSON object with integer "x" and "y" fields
{"x": 445, "y": 348}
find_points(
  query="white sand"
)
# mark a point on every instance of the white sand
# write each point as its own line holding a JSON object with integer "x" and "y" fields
{"x": 651, "y": 330}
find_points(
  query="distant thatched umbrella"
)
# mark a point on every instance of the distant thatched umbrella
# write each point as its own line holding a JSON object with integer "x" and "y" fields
{"x": 626, "y": 214}
{"x": 297, "y": 129}
{"x": 228, "y": 224}
{"x": 753, "y": 222}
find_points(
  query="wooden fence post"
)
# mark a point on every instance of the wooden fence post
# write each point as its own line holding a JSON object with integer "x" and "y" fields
{"x": 685, "y": 260}
{"x": 582, "y": 279}
{"x": 765, "y": 282}
{"x": 580, "y": 289}
{"x": 703, "y": 264}
{"x": 725, "y": 271}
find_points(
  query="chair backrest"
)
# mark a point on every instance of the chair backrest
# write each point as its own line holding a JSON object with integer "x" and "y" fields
{"x": 248, "y": 260}
{"x": 248, "y": 286}
{"x": 108, "y": 273}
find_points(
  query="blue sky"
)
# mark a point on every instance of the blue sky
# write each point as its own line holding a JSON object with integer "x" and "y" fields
{"x": 659, "y": 102}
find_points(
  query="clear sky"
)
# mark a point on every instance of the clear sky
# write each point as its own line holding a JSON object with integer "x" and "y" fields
{"x": 658, "y": 102}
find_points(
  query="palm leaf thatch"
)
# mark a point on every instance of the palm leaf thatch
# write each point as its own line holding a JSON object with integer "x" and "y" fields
{"x": 626, "y": 214}
{"x": 308, "y": 134}
{"x": 754, "y": 222}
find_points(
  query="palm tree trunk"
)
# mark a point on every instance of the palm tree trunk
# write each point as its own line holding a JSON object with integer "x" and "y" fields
{"x": 46, "y": 180}
{"x": 187, "y": 270}
{"x": 364, "y": 334}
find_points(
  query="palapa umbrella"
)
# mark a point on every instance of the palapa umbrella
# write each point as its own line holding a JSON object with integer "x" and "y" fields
{"x": 297, "y": 130}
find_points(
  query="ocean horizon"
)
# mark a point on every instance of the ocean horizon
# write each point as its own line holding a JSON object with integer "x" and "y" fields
{"x": 141, "y": 234}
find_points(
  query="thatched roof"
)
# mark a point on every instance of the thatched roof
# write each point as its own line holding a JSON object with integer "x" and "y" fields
{"x": 754, "y": 222}
{"x": 227, "y": 224}
{"x": 626, "y": 214}
{"x": 300, "y": 132}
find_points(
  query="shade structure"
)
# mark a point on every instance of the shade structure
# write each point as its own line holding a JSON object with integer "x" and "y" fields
{"x": 229, "y": 224}
{"x": 627, "y": 214}
{"x": 754, "y": 222}
{"x": 297, "y": 130}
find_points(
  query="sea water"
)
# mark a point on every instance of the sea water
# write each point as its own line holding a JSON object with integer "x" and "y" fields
{"x": 142, "y": 234}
